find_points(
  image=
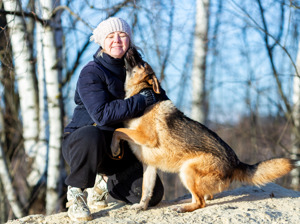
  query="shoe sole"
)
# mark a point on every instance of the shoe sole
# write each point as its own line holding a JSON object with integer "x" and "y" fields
{"x": 80, "y": 219}
{"x": 97, "y": 207}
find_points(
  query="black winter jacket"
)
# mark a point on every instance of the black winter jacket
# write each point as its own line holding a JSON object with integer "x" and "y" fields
{"x": 99, "y": 95}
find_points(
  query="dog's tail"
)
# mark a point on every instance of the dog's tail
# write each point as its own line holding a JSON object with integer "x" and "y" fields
{"x": 264, "y": 172}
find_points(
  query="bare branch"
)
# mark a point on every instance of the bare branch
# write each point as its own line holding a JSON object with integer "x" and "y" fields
{"x": 268, "y": 34}
{"x": 26, "y": 14}
{"x": 293, "y": 4}
{"x": 63, "y": 7}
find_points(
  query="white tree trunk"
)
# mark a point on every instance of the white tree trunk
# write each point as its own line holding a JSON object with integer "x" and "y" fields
{"x": 40, "y": 160}
{"x": 200, "y": 50}
{"x": 24, "y": 76}
{"x": 295, "y": 174}
{"x": 52, "y": 76}
{"x": 6, "y": 179}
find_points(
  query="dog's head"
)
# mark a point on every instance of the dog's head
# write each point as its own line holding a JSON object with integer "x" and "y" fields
{"x": 138, "y": 77}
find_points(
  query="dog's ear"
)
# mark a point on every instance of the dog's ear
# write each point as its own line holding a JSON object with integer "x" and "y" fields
{"x": 155, "y": 85}
{"x": 152, "y": 78}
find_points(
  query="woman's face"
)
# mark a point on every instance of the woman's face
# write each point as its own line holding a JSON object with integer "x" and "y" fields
{"x": 116, "y": 44}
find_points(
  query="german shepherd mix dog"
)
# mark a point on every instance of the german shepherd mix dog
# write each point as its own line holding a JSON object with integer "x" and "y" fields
{"x": 164, "y": 138}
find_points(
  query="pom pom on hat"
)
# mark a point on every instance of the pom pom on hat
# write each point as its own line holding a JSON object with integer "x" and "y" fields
{"x": 110, "y": 25}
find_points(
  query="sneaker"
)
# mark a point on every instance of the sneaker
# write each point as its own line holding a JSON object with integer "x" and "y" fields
{"x": 78, "y": 209}
{"x": 98, "y": 195}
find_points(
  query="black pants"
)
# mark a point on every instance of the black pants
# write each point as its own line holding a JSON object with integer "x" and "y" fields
{"x": 87, "y": 151}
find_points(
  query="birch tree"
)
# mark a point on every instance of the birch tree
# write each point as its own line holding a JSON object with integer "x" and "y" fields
{"x": 52, "y": 77}
{"x": 39, "y": 164}
{"x": 200, "y": 51}
{"x": 25, "y": 76}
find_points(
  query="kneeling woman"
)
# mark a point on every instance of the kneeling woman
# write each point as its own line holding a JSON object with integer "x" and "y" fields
{"x": 100, "y": 109}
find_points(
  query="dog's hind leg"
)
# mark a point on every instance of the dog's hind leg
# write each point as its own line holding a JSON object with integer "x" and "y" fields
{"x": 189, "y": 178}
{"x": 200, "y": 179}
{"x": 149, "y": 178}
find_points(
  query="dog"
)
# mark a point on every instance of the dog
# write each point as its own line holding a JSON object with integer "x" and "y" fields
{"x": 164, "y": 138}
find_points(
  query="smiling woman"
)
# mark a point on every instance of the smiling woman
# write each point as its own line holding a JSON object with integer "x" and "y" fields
{"x": 116, "y": 44}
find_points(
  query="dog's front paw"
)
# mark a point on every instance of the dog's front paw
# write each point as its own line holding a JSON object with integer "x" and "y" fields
{"x": 139, "y": 206}
{"x": 177, "y": 209}
{"x": 115, "y": 149}
{"x": 208, "y": 197}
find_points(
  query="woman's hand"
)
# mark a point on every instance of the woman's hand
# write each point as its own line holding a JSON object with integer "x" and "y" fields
{"x": 149, "y": 95}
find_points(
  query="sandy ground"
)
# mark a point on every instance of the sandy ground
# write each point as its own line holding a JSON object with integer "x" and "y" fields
{"x": 269, "y": 204}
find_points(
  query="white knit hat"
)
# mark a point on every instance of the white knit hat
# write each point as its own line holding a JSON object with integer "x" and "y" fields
{"x": 108, "y": 26}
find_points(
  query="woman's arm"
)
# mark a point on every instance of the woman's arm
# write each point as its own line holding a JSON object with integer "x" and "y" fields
{"x": 95, "y": 97}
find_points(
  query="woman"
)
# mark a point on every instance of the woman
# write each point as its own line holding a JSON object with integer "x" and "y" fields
{"x": 101, "y": 108}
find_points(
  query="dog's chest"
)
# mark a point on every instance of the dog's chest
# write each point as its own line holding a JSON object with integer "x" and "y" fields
{"x": 156, "y": 157}
{"x": 145, "y": 154}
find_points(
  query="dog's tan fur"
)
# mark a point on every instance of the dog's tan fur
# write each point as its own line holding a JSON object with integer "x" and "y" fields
{"x": 163, "y": 138}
